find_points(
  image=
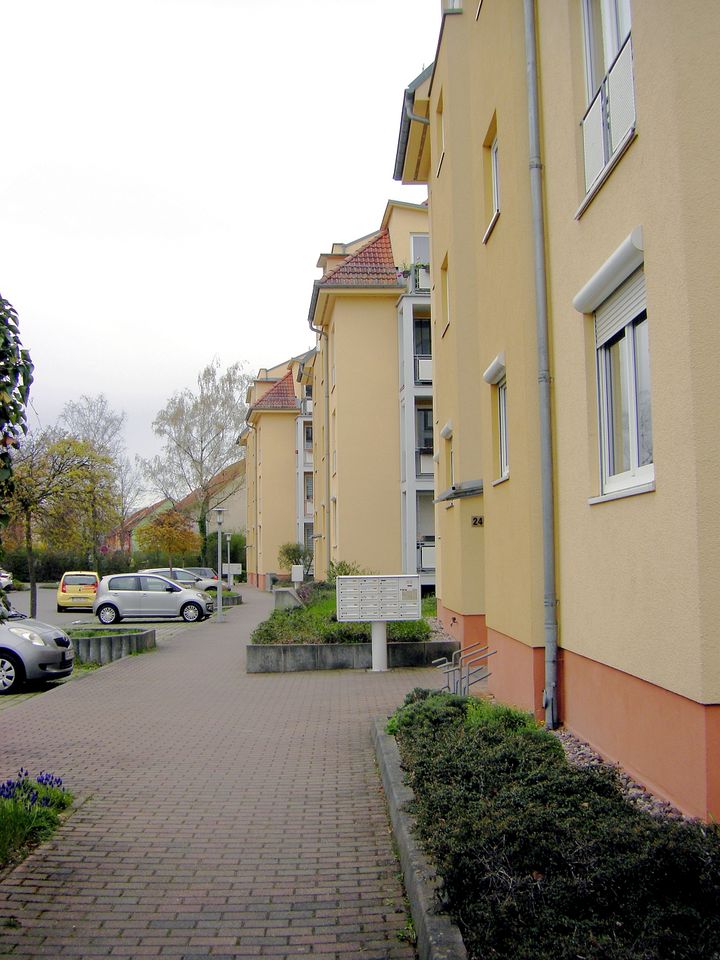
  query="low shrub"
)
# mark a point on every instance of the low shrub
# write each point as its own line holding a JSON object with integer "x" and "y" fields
{"x": 540, "y": 859}
{"x": 317, "y": 622}
{"x": 29, "y": 808}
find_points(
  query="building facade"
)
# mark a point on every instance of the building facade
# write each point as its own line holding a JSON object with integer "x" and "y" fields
{"x": 371, "y": 379}
{"x": 575, "y": 355}
{"x": 278, "y": 464}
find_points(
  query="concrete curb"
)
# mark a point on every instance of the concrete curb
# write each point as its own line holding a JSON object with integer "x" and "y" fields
{"x": 438, "y": 938}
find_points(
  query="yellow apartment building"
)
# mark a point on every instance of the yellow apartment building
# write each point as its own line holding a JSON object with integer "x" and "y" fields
{"x": 568, "y": 150}
{"x": 371, "y": 378}
{"x": 279, "y": 472}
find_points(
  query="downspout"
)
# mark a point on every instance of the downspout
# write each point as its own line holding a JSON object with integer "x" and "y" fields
{"x": 550, "y": 693}
{"x": 326, "y": 376}
{"x": 409, "y": 104}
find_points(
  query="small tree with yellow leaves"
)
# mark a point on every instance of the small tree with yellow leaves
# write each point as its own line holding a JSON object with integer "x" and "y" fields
{"x": 170, "y": 533}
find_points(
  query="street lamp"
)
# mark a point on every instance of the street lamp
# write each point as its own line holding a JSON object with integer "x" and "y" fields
{"x": 228, "y": 537}
{"x": 219, "y": 511}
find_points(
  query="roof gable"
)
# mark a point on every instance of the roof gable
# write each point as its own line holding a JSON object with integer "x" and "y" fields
{"x": 281, "y": 396}
{"x": 372, "y": 265}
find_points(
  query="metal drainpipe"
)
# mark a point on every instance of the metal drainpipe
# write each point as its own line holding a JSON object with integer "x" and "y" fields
{"x": 550, "y": 693}
{"x": 326, "y": 375}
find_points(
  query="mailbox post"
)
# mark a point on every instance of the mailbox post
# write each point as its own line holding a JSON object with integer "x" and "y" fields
{"x": 377, "y": 600}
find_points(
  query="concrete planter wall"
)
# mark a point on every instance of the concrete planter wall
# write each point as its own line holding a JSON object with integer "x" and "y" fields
{"x": 293, "y": 657}
{"x": 228, "y": 601}
{"x": 112, "y": 645}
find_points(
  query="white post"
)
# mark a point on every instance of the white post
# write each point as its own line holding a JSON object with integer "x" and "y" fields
{"x": 379, "y": 646}
{"x": 218, "y": 593}
{"x": 229, "y": 575}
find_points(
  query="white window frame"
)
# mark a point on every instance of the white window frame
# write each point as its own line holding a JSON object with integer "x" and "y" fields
{"x": 637, "y": 475}
{"x": 608, "y": 125}
{"x": 495, "y": 188}
{"x": 503, "y": 459}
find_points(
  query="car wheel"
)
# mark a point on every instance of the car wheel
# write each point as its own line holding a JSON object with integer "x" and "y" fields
{"x": 107, "y": 613}
{"x": 210, "y": 589}
{"x": 12, "y": 673}
{"x": 60, "y": 609}
{"x": 191, "y": 612}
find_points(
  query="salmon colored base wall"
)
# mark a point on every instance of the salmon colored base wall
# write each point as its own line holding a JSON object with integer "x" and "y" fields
{"x": 467, "y": 628}
{"x": 252, "y": 579}
{"x": 257, "y": 580}
{"x": 517, "y": 672}
{"x": 667, "y": 742}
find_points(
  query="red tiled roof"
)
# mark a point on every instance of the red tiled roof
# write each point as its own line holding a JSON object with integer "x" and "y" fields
{"x": 226, "y": 476}
{"x": 281, "y": 396}
{"x": 372, "y": 265}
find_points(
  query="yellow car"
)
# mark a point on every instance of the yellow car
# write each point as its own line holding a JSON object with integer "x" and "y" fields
{"x": 77, "y": 589}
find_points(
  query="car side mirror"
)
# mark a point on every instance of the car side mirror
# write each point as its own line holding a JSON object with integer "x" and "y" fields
{"x": 170, "y": 589}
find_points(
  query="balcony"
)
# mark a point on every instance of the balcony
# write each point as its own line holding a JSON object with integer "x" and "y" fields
{"x": 309, "y": 506}
{"x": 423, "y": 368}
{"x": 306, "y": 407}
{"x": 424, "y": 464}
{"x": 426, "y": 555}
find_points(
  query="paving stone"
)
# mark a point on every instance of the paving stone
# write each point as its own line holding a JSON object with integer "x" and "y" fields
{"x": 219, "y": 814}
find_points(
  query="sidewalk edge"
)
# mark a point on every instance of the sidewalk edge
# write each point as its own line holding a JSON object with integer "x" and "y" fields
{"x": 438, "y": 938}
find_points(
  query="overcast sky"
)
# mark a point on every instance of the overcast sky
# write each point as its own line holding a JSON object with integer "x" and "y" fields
{"x": 171, "y": 170}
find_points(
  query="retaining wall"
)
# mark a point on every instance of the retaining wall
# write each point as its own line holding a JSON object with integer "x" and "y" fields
{"x": 294, "y": 657}
{"x": 112, "y": 645}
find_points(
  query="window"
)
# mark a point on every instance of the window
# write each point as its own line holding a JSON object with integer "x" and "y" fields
{"x": 609, "y": 123}
{"x": 440, "y": 134}
{"x": 308, "y": 436}
{"x": 124, "y": 583}
{"x": 623, "y": 362}
{"x": 424, "y": 427}
{"x": 491, "y": 177}
{"x": 421, "y": 329}
{"x": 502, "y": 429}
{"x": 445, "y": 294}
{"x": 308, "y": 486}
{"x": 420, "y": 247}
{"x": 154, "y": 585}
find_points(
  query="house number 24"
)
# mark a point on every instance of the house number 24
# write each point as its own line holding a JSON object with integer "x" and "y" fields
{"x": 478, "y": 521}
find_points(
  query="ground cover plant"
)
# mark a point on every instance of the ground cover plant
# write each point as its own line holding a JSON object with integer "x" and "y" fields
{"x": 542, "y": 859}
{"x": 316, "y": 622}
{"x": 29, "y": 812}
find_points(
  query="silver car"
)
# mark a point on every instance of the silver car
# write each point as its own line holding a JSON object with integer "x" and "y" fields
{"x": 148, "y": 595}
{"x": 185, "y": 577}
{"x": 31, "y": 650}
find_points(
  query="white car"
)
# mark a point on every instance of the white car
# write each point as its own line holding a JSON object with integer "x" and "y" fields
{"x": 6, "y": 580}
{"x": 185, "y": 578}
{"x": 31, "y": 650}
{"x": 148, "y": 596}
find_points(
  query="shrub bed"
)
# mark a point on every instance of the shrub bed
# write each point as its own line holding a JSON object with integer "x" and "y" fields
{"x": 540, "y": 859}
{"x": 317, "y": 623}
{"x": 29, "y": 812}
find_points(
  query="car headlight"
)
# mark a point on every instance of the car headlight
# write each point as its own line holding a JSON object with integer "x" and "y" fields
{"x": 28, "y": 635}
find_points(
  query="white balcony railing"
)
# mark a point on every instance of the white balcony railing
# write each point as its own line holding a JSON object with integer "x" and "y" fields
{"x": 424, "y": 463}
{"x": 426, "y": 557}
{"x": 610, "y": 118}
{"x": 423, "y": 368}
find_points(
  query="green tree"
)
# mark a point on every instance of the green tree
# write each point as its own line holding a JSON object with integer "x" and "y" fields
{"x": 92, "y": 419}
{"x": 199, "y": 432}
{"x": 295, "y": 553}
{"x": 16, "y": 375}
{"x": 48, "y": 469}
{"x": 171, "y": 534}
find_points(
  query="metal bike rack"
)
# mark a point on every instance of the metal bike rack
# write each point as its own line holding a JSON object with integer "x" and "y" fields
{"x": 465, "y": 668}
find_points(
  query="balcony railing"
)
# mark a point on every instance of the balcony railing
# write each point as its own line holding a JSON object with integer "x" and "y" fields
{"x": 424, "y": 464}
{"x": 306, "y": 407}
{"x": 423, "y": 368}
{"x": 610, "y": 118}
{"x": 426, "y": 555}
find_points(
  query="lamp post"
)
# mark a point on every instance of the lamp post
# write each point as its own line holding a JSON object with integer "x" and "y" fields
{"x": 227, "y": 541}
{"x": 219, "y": 519}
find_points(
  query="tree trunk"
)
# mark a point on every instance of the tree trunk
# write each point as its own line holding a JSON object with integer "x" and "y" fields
{"x": 31, "y": 564}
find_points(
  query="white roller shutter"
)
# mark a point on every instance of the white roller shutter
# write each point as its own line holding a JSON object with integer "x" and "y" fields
{"x": 622, "y": 306}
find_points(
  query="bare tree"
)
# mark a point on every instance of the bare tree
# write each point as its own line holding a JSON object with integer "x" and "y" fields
{"x": 200, "y": 431}
{"x": 92, "y": 419}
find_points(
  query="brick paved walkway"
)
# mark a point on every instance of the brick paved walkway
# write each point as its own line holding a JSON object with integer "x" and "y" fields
{"x": 219, "y": 815}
